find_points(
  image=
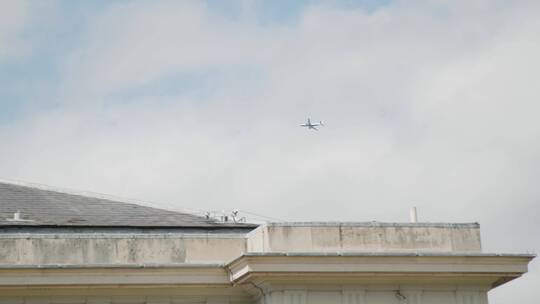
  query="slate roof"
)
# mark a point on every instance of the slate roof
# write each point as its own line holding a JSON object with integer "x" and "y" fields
{"x": 39, "y": 207}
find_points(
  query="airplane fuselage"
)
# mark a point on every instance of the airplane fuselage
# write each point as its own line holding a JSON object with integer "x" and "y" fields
{"x": 312, "y": 126}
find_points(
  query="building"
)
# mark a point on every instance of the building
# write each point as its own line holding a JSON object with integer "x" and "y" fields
{"x": 63, "y": 248}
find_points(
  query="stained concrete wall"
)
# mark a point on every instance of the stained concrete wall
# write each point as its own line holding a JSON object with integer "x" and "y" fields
{"x": 376, "y": 295}
{"x": 364, "y": 237}
{"x": 165, "y": 248}
{"x": 118, "y": 249}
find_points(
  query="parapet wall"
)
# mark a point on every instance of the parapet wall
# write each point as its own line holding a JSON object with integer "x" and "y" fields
{"x": 119, "y": 249}
{"x": 365, "y": 237}
{"x": 178, "y": 248}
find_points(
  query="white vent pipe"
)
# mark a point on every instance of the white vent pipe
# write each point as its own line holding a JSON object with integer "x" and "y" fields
{"x": 414, "y": 216}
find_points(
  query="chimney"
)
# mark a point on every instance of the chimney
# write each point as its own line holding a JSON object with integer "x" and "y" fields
{"x": 414, "y": 217}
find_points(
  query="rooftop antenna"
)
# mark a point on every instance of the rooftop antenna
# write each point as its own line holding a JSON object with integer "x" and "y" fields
{"x": 414, "y": 216}
{"x": 236, "y": 218}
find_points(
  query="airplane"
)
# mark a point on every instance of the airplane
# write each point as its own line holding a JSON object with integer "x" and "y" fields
{"x": 312, "y": 126}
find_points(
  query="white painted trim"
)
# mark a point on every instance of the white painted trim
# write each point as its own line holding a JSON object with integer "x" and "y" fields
{"x": 490, "y": 267}
{"x": 209, "y": 275}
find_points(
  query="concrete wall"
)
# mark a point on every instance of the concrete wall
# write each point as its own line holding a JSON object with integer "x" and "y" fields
{"x": 364, "y": 237}
{"x": 375, "y": 296}
{"x": 118, "y": 249}
{"x": 164, "y": 248}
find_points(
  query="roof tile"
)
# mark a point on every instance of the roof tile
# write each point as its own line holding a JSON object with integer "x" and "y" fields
{"x": 40, "y": 207}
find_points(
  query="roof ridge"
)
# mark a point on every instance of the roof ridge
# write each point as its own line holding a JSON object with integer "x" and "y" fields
{"x": 96, "y": 195}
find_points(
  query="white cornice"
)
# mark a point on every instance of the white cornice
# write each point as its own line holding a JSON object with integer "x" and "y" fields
{"x": 495, "y": 269}
{"x": 489, "y": 269}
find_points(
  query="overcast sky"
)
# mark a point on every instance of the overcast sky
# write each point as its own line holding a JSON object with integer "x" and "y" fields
{"x": 197, "y": 105}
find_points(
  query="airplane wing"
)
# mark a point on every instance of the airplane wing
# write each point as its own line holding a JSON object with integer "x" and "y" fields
{"x": 313, "y": 127}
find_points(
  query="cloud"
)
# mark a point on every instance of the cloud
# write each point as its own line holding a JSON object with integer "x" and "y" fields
{"x": 22, "y": 26}
{"x": 427, "y": 103}
{"x": 14, "y": 17}
{"x": 137, "y": 43}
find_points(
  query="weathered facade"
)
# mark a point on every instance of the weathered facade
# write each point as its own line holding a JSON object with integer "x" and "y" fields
{"x": 63, "y": 248}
